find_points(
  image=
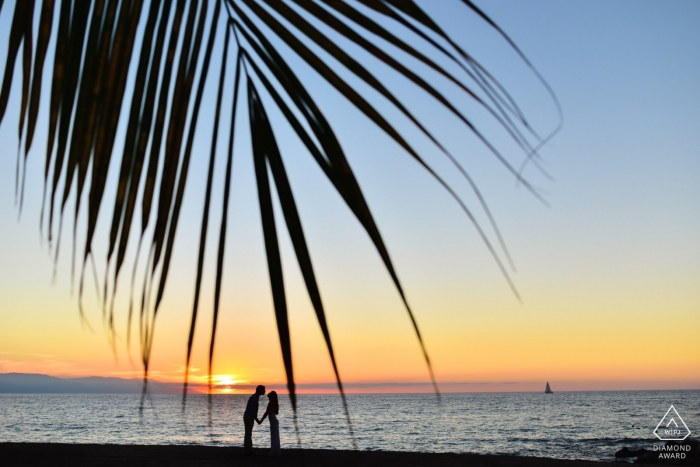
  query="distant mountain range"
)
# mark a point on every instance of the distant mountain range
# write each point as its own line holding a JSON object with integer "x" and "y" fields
{"x": 45, "y": 384}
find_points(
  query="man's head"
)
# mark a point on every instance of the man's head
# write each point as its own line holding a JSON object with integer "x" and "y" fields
{"x": 260, "y": 390}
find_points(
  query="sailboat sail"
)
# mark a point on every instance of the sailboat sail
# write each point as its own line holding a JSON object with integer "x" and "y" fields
{"x": 548, "y": 390}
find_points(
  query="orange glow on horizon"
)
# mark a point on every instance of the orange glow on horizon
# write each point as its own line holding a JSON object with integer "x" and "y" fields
{"x": 561, "y": 334}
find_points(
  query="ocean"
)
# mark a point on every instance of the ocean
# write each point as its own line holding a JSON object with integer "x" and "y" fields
{"x": 565, "y": 425}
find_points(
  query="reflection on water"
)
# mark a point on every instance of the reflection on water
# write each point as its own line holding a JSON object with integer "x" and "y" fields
{"x": 582, "y": 425}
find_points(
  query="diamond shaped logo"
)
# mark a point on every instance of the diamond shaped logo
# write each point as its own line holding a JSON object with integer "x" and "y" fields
{"x": 672, "y": 427}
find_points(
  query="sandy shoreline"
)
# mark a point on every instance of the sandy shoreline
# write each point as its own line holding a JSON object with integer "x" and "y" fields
{"x": 59, "y": 455}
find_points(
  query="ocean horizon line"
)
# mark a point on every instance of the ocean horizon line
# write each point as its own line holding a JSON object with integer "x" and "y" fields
{"x": 28, "y": 383}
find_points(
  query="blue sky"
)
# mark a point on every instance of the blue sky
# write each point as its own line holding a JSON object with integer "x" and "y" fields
{"x": 617, "y": 247}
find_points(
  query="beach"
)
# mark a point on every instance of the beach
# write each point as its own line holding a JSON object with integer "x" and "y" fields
{"x": 65, "y": 455}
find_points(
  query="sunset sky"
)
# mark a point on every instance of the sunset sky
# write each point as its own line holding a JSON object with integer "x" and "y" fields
{"x": 609, "y": 273}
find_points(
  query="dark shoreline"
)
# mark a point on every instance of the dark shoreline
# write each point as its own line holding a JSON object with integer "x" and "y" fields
{"x": 60, "y": 455}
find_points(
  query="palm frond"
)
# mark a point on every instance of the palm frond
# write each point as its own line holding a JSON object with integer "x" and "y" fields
{"x": 98, "y": 46}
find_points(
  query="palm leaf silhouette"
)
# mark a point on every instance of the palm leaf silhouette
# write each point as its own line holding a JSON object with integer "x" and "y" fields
{"x": 97, "y": 47}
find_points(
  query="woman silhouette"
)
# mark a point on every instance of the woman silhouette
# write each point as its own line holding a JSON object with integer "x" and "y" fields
{"x": 273, "y": 408}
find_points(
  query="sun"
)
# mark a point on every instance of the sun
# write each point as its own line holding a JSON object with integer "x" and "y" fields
{"x": 224, "y": 380}
{"x": 225, "y": 383}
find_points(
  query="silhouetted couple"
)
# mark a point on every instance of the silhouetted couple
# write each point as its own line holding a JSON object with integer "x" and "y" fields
{"x": 251, "y": 415}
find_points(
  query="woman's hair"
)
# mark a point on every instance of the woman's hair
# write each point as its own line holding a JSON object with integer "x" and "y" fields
{"x": 272, "y": 395}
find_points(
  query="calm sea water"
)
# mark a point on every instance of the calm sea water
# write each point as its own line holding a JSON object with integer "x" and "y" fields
{"x": 579, "y": 425}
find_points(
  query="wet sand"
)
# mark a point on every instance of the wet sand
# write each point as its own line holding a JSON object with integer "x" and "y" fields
{"x": 60, "y": 455}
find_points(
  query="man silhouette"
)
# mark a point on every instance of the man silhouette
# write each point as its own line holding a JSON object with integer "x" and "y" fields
{"x": 250, "y": 416}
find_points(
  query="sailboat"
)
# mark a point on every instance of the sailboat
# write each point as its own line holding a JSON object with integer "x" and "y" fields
{"x": 548, "y": 390}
